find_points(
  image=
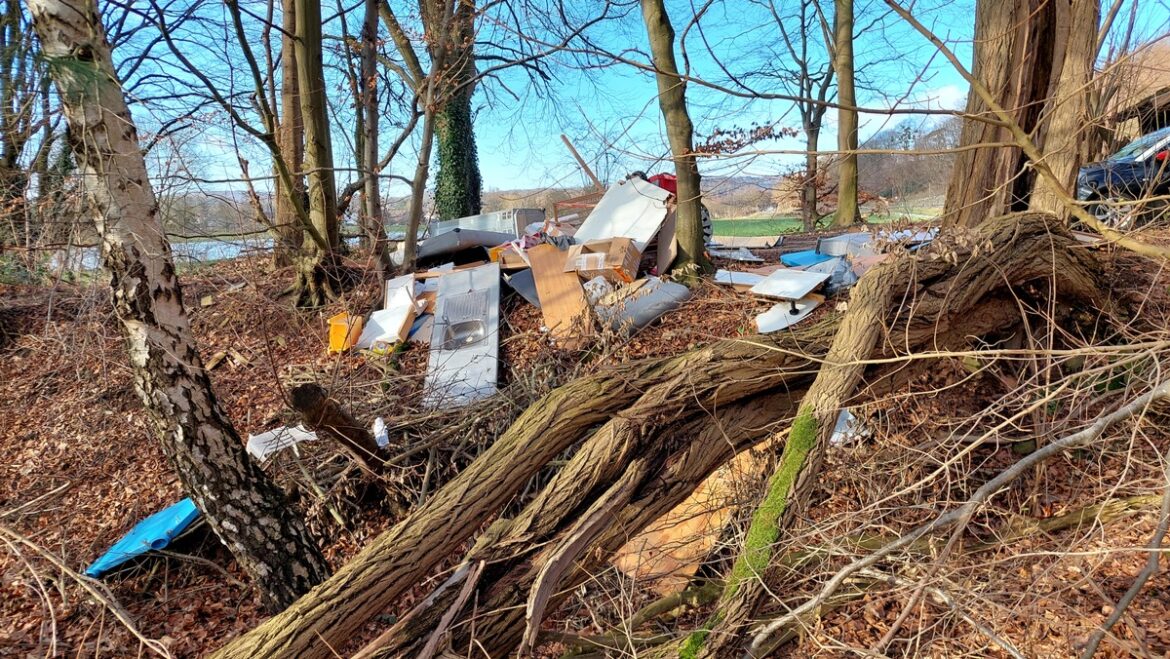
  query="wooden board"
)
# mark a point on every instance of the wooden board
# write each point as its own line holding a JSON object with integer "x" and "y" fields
{"x": 562, "y": 298}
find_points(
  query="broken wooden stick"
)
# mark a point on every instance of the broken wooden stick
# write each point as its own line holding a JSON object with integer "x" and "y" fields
{"x": 323, "y": 414}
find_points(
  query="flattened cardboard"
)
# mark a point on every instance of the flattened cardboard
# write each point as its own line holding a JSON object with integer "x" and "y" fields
{"x": 562, "y": 297}
{"x": 615, "y": 259}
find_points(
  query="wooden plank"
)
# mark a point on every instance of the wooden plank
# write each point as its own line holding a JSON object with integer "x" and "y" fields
{"x": 562, "y": 298}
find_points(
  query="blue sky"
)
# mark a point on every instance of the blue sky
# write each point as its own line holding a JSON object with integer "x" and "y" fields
{"x": 610, "y": 110}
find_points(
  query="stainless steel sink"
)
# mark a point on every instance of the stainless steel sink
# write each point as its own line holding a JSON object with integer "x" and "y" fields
{"x": 463, "y": 334}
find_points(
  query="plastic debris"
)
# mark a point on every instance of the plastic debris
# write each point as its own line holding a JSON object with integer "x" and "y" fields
{"x": 785, "y": 315}
{"x": 266, "y": 443}
{"x": 632, "y": 307}
{"x": 803, "y": 259}
{"x": 151, "y": 534}
{"x": 380, "y": 434}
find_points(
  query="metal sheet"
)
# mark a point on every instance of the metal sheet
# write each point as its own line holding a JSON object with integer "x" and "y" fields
{"x": 523, "y": 283}
{"x": 511, "y": 221}
{"x": 789, "y": 284}
{"x": 631, "y": 209}
{"x": 464, "y": 359}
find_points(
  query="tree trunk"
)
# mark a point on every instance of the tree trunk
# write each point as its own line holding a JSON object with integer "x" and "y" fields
{"x": 808, "y": 186}
{"x": 847, "y": 211}
{"x": 316, "y": 280}
{"x": 291, "y": 137}
{"x": 372, "y": 190}
{"x": 1066, "y": 118}
{"x": 672, "y": 99}
{"x": 458, "y": 183}
{"x": 244, "y": 508}
{"x": 1013, "y": 58}
{"x": 640, "y": 408}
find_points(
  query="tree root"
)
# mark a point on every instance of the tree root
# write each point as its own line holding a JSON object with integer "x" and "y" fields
{"x": 676, "y": 418}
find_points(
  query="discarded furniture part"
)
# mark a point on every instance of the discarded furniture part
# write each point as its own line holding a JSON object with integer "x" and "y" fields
{"x": 841, "y": 276}
{"x": 668, "y": 553}
{"x": 151, "y": 534}
{"x": 344, "y": 331}
{"x": 803, "y": 259}
{"x": 615, "y": 259}
{"x": 749, "y": 242}
{"x": 266, "y": 443}
{"x": 509, "y": 256}
{"x": 575, "y": 209}
{"x": 789, "y": 284}
{"x": 742, "y": 254}
{"x": 631, "y": 209}
{"x": 635, "y": 306}
{"x": 523, "y": 283}
{"x": 741, "y": 281}
{"x": 464, "y": 359}
{"x": 512, "y": 221}
{"x": 562, "y": 298}
{"x": 458, "y": 240}
{"x": 786, "y": 314}
{"x": 848, "y": 244}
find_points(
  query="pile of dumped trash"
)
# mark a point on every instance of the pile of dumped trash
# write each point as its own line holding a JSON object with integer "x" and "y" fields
{"x": 590, "y": 270}
{"x": 596, "y": 268}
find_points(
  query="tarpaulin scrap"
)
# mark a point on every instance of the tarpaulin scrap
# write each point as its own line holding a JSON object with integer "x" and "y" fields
{"x": 151, "y": 534}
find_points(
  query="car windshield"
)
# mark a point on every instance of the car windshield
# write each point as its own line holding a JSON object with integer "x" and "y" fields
{"x": 1142, "y": 144}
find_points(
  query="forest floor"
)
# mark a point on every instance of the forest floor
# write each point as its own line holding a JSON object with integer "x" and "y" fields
{"x": 80, "y": 466}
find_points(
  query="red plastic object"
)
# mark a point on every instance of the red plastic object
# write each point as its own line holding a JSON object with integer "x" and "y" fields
{"x": 668, "y": 182}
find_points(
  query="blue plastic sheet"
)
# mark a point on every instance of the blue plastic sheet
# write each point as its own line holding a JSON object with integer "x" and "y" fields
{"x": 151, "y": 534}
{"x": 802, "y": 259}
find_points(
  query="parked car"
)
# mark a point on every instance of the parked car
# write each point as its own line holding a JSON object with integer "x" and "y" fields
{"x": 1131, "y": 186}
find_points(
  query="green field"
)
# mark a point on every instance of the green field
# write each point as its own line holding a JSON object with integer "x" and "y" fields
{"x": 774, "y": 226}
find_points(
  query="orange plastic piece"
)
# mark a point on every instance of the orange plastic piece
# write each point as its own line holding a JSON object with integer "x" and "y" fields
{"x": 344, "y": 331}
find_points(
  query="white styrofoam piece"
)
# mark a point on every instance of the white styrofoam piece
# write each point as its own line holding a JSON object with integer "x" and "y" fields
{"x": 384, "y": 326}
{"x": 393, "y": 285}
{"x": 780, "y": 316}
{"x": 789, "y": 284}
{"x": 632, "y": 209}
{"x": 266, "y": 443}
{"x": 463, "y": 367}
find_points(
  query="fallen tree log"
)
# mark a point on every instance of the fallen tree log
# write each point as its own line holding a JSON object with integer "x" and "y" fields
{"x": 640, "y": 463}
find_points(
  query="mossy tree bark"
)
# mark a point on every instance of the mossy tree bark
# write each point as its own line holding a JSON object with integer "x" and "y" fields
{"x": 648, "y": 439}
{"x": 244, "y": 508}
{"x": 672, "y": 100}
{"x": 450, "y": 33}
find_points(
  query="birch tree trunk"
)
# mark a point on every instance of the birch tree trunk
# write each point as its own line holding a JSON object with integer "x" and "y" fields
{"x": 672, "y": 99}
{"x": 244, "y": 508}
{"x": 847, "y": 212}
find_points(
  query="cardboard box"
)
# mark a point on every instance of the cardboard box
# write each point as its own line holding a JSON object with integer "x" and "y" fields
{"x": 616, "y": 259}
